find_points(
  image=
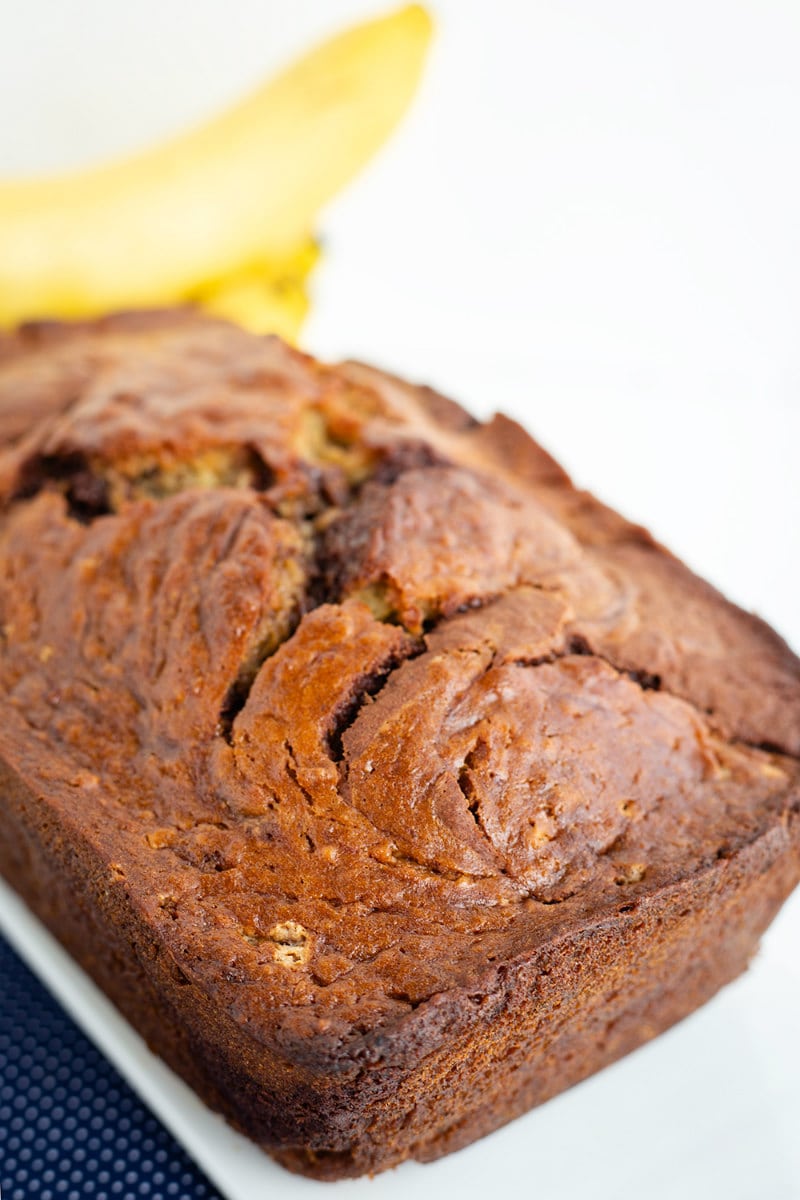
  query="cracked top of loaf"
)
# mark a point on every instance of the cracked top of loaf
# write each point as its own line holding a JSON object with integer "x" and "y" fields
{"x": 355, "y": 696}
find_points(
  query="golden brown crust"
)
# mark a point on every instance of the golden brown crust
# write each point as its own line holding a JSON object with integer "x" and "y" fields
{"x": 350, "y": 724}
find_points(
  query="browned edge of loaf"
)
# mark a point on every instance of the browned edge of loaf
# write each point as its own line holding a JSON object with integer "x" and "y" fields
{"x": 550, "y": 1019}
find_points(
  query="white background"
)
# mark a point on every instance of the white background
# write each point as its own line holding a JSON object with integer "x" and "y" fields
{"x": 590, "y": 219}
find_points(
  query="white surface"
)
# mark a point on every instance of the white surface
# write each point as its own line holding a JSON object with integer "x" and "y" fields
{"x": 590, "y": 220}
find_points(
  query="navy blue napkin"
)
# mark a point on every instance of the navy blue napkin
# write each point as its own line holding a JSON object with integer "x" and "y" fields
{"x": 70, "y": 1128}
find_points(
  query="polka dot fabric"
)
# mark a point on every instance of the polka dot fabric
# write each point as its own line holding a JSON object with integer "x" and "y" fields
{"x": 70, "y": 1128}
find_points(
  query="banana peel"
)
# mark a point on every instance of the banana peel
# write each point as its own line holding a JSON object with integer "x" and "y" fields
{"x": 218, "y": 212}
{"x": 264, "y": 297}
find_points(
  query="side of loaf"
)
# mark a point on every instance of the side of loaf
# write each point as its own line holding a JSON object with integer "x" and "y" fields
{"x": 386, "y": 782}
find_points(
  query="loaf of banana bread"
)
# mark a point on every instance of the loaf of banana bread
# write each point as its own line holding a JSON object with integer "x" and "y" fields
{"x": 387, "y": 783}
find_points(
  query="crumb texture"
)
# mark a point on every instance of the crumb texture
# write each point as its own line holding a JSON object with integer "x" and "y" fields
{"x": 360, "y": 697}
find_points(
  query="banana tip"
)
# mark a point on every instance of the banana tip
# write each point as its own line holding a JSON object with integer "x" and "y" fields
{"x": 418, "y": 16}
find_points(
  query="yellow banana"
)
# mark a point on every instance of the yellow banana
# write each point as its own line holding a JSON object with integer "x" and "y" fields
{"x": 264, "y": 297}
{"x": 243, "y": 188}
{"x": 258, "y": 305}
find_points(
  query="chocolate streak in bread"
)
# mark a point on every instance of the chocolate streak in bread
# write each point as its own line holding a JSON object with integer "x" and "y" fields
{"x": 387, "y": 783}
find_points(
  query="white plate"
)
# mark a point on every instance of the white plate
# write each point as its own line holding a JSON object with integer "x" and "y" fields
{"x": 710, "y": 1109}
